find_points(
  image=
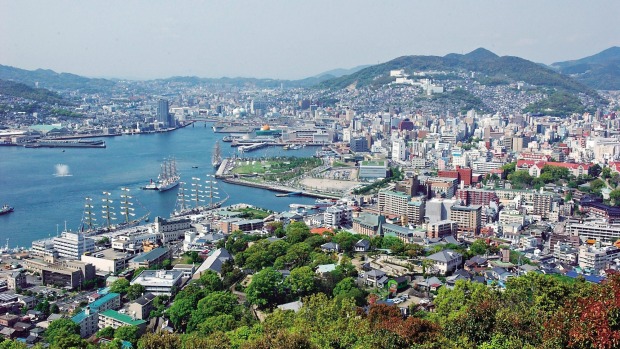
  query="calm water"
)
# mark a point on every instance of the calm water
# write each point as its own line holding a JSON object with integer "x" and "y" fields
{"x": 44, "y": 201}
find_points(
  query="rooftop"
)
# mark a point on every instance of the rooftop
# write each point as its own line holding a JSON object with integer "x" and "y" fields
{"x": 122, "y": 317}
{"x": 103, "y": 300}
{"x": 151, "y": 255}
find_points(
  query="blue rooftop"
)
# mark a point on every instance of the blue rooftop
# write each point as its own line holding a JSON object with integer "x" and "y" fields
{"x": 151, "y": 255}
{"x": 77, "y": 318}
{"x": 590, "y": 278}
{"x": 94, "y": 306}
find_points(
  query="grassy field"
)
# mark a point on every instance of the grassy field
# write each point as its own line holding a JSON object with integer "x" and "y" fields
{"x": 273, "y": 169}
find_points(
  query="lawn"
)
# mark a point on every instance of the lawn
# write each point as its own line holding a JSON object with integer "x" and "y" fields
{"x": 274, "y": 169}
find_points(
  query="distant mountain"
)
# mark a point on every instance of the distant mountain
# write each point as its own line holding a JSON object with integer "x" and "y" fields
{"x": 336, "y": 73}
{"x": 489, "y": 66}
{"x": 267, "y": 83}
{"x": 600, "y": 71}
{"x": 17, "y": 89}
{"x": 55, "y": 81}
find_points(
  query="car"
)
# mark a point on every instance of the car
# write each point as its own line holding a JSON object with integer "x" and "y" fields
{"x": 397, "y": 300}
{"x": 404, "y": 296}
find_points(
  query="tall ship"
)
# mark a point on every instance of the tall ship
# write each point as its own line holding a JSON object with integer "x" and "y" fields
{"x": 201, "y": 197}
{"x": 168, "y": 177}
{"x": 216, "y": 158}
{"x": 6, "y": 209}
{"x": 109, "y": 216}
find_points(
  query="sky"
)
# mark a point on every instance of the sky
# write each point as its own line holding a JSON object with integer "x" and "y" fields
{"x": 289, "y": 39}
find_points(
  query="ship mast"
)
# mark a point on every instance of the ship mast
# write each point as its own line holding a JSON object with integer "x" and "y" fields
{"x": 88, "y": 213}
{"x": 181, "y": 199}
{"x": 108, "y": 215}
{"x": 126, "y": 208}
{"x": 197, "y": 192}
{"x": 211, "y": 193}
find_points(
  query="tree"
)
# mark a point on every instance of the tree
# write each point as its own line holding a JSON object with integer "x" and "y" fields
{"x": 128, "y": 333}
{"x": 520, "y": 178}
{"x": 54, "y": 309}
{"x": 43, "y": 307}
{"x": 120, "y": 286}
{"x": 478, "y": 247}
{"x": 211, "y": 281}
{"x": 346, "y": 240}
{"x": 347, "y": 288}
{"x": 159, "y": 340}
{"x": 614, "y": 195}
{"x": 596, "y": 185}
{"x": 107, "y": 332}
{"x": 180, "y": 311}
{"x": 594, "y": 170}
{"x": 266, "y": 288}
{"x": 281, "y": 340}
{"x": 301, "y": 281}
{"x": 213, "y": 305}
{"x": 135, "y": 291}
{"x": 297, "y": 232}
{"x": 606, "y": 173}
{"x": 61, "y": 328}
{"x": 392, "y": 243}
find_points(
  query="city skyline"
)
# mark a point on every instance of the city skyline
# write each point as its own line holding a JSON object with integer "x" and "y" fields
{"x": 274, "y": 39}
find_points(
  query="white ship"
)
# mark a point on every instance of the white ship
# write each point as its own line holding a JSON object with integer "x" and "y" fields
{"x": 216, "y": 158}
{"x": 168, "y": 177}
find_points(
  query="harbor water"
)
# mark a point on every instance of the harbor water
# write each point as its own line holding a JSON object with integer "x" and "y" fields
{"x": 48, "y": 186}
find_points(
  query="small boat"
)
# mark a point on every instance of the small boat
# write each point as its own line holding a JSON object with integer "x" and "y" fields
{"x": 6, "y": 209}
{"x": 194, "y": 166}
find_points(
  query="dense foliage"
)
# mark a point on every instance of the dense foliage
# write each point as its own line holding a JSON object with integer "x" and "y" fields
{"x": 16, "y": 89}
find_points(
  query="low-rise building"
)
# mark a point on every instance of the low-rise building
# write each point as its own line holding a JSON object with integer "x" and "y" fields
{"x": 141, "y": 307}
{"x": 214, "y": 262}
{"x": 596, "y": 259}
{"x": 88, "y": 319}
{"x": 440, "y": 229}
{"x": 114, "y": 319}
{"x": 160, "y": 282}
{"x": 151, "y": 258}
{"x": 446, "y": 261}
{"x": 67, "y": 273}
{"x": 108, "y": 261}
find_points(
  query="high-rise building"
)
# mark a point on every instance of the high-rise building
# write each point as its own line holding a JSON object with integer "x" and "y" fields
{"x": 162, "y": 113}
{"x": 468, "y": 218}
{"x": 398, "y": 149}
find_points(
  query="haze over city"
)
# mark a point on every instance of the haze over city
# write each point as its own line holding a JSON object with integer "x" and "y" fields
{"x": 287, "y": 40}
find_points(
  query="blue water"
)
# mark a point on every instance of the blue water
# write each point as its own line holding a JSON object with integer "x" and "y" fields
{"x": 43, "y": 201}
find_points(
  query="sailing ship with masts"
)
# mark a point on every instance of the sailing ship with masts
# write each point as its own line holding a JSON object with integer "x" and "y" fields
{"x": 168, "y": 177}
{"x": 216, "y": 157}
{"x": 89, "y": 225}
{"x": 201, "y": 197}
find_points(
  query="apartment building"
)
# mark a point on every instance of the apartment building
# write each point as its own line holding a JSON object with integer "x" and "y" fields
{"x": 468, "y": 218}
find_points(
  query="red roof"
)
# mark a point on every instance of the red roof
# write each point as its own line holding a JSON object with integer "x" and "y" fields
{"x": 321, "y": 231}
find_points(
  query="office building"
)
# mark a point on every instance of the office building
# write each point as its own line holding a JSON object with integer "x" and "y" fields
{"x": 163, "y": 116}
{"x": 73, "y": 245}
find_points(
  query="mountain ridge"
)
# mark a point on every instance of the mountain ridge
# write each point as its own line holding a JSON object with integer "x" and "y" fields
{"x": 479, "y": 60}
{"x": 599, "y": 71}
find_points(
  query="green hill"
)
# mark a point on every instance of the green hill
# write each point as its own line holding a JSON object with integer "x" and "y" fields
{"x": 16, "y": 89}
{"x": 55, "y": 81}
{"x": 600, "y": 71}
{"x": 489, "y": 66}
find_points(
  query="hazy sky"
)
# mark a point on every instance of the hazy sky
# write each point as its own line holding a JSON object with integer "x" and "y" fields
{"x": 289, "y": 39}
